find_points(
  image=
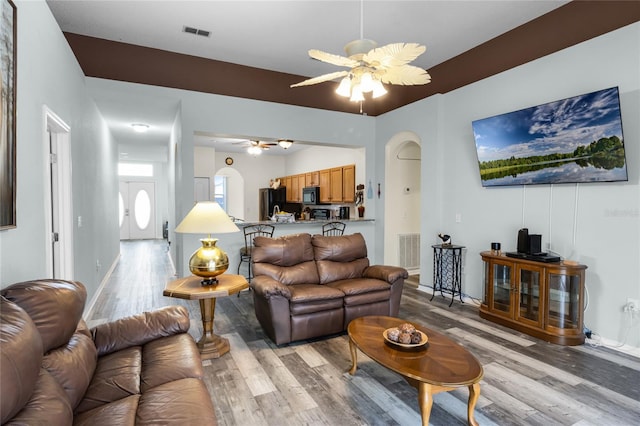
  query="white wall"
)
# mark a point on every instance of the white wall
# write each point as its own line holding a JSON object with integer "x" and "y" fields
{"x": 48, "y": 74}
{"x": 604, "y": 216}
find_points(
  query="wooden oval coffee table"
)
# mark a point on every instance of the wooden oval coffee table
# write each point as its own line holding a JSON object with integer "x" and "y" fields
{"x": 440, "y": 366}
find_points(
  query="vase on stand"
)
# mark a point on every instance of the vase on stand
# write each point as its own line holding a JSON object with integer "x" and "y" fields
{"x": 360, "y": 211}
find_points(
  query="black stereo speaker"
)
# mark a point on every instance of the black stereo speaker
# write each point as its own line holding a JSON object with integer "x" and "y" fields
{"x": 535, "y": 244}
{"x": 523, "y": 240}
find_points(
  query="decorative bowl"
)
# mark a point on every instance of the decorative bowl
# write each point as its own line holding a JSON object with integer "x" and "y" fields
{"x": 423, "y": 341}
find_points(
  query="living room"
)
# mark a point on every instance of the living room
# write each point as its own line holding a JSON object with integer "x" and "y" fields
{"x": 594, "y": 224}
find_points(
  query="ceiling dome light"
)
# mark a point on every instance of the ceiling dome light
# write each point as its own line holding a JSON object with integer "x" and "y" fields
{"x": 284, "y": 143}
{"x": 140, "y": 127}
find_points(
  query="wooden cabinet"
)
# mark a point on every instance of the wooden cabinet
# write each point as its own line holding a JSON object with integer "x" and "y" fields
{"x": 544, "y": 300}
{"x": 312, "y": 178}
{"x": 325, "y": 185}
{"x": 337, "y": 185}
{"x": 349, "y": 184}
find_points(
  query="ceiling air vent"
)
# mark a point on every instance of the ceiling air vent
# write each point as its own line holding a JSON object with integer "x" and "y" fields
{"x": 196, "y": 31}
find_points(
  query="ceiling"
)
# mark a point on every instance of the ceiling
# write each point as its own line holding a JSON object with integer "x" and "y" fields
{"x": 275, "y": 36}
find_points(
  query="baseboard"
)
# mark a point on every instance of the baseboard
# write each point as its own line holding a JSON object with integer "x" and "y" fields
{"x": 88, "y": 311}
{"x": 612, "y": 344}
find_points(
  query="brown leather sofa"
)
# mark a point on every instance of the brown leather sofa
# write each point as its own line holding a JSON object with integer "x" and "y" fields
{"x": 309, "y": 286}
{"x": 140, "y": 370}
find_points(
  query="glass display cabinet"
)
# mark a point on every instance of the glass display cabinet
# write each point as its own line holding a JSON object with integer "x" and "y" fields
{"x": 544, "y": 300}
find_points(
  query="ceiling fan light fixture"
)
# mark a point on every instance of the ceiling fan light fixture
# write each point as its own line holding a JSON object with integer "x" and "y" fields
{"x": 254, "y": 150}
{"x": 366, "y": 82}
{"x": 378, "y": 89}
{"x": 285, "y": 143}
{"x": 356, "y": 93}
{"x": 344, "y": 89}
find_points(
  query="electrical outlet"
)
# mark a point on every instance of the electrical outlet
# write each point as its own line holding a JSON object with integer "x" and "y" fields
{"x": 632, "y": 305}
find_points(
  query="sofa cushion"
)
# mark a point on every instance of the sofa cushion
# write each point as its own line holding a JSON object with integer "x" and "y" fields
{"x": 121, "y": 412}
{"x": 341, "y": 248}
{"x": 20, "y": 358}
{"x": 353, "y": 288}
{"x": 48, "y": 404}
{"x": 72, "y": 365}
{"x": 180, "y": 402}
{"x": 168, "y": 359}
{"x": 55, "y": 307}
{"x": 139, "y": 329}
{"x": 340, "y": 257}
{"x": 117, "y": 376}
{"x": 287, "y": 259}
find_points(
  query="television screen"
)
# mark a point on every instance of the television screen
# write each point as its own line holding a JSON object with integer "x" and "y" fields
{"x": 573, "y": 140}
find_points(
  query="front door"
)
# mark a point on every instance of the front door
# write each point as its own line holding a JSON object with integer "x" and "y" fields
{"x": 137, "y": 210}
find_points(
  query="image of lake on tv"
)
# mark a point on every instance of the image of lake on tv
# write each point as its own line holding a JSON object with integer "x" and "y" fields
{"x": 562, "y": 172}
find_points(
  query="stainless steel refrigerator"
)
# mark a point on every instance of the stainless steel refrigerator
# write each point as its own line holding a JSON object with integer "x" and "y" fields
{"x": 269, "y": 198}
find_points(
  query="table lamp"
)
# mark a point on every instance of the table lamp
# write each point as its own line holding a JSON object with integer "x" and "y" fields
{"x": 209, "y": 261}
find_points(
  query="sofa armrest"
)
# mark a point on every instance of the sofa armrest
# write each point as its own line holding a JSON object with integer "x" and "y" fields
{"x": 266, "y": 287}
{"x": 386, "y": 273}
{"x": 140, "y": 329}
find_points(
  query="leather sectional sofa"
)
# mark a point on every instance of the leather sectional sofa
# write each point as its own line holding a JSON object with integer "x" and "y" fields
{"x": 310, "y": 286}
{"x": 142, "y": 370}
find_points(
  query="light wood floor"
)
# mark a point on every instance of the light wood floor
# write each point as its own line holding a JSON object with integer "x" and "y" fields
{"x": 526, "y": 381}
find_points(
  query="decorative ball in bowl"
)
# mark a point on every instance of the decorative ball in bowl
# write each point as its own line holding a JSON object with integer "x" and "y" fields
{"x": 405, "y": 336}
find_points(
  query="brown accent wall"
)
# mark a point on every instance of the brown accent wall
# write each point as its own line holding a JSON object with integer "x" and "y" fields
{"x": 566, "y": 26}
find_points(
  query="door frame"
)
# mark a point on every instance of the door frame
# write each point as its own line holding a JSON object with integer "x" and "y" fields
{"x": 60, "y": 133}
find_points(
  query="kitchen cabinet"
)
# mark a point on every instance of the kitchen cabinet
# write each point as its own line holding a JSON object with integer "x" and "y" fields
{"x": 297, "y": 183}
{"x": 312, "y": 179}
{"x": 287, "y": 182}
{"x": 544, "y": 300}
{"x": 325, "y": 185}
{"x": 337, "y": 184}
{"x": 349, "y": 184}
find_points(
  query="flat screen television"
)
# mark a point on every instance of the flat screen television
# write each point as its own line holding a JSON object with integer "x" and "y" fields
{"x": 573, "y": 140}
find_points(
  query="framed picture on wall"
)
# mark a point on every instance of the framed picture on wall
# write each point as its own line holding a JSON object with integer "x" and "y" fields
{"x": 7, "y": 114}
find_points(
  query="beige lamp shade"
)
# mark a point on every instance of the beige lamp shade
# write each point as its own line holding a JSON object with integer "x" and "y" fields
{"x": 208, "y": 261}
{"x": 206, "y": 217}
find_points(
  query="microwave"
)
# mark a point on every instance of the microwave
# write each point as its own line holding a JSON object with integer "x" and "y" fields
{"x": 311, "y": 195}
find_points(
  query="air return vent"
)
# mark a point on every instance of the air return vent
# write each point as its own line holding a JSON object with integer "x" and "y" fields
{"x": 409, "y": 250}
{"x": 196, "y": 31}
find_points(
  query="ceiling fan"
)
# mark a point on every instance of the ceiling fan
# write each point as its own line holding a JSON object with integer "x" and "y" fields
{"x": 370, "y": 66}
{"x": 255, "y": 147}
{"x": 257, "y": 144}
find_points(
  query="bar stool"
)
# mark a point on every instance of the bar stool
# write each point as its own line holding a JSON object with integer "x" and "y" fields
{"x": 250, "y": 232}
{"x": 333, "y": 228}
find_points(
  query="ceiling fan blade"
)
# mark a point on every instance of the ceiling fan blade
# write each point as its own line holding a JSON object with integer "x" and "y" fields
{"x": 321, "y": 78}
{"x": 406, "y": 75}
{"x": 330, "y": 58}
{"x": 394, "y": 55}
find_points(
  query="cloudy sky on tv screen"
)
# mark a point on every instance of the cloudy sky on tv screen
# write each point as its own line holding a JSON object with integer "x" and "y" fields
{"x": 577, "y": 139}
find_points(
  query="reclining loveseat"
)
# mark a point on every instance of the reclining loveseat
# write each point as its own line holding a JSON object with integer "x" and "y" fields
{"x": 310, "y": 286}
{"x": 140, "y": 370}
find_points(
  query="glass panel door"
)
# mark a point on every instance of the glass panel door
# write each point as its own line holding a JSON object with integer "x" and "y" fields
{"x": 564, "y": 298}
{"x": 501, "y": 288}
{"x": 529, "y": 295}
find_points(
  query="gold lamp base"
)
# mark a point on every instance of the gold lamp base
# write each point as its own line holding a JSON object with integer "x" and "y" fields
{"x": 208, "y": 261}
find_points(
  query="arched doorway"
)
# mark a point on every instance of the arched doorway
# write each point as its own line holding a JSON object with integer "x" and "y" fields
{"x": 402, "y": 201}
